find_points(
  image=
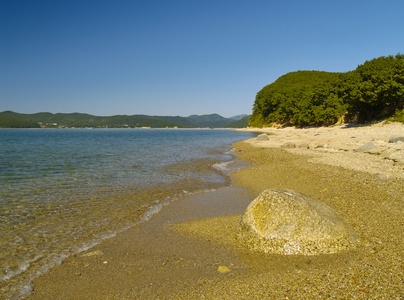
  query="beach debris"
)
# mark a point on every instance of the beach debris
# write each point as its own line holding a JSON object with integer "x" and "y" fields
{"x": 396, "y": 138}
{"x": 283, "y": 221}
{"x": 367, "y": 147}
{"x": 223, "y": 269}
{"x": 263, "y": 137}
{"x": 289, "y": 145}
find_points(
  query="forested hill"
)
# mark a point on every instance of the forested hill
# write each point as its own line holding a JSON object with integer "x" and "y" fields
{"x": 213, "y": 120}
{"x": 9, "y": 119}
{"x": 373, "y": 91}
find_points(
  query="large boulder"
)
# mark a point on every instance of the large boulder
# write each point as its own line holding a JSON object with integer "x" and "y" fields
{"x": 283, "y": 221}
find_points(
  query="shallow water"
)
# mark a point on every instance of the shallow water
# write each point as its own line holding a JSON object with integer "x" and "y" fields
{"x": 64, "y": 190}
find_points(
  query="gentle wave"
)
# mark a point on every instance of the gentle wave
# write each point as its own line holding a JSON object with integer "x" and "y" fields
{"x": 222, "y": 166}
{"x": 25, "y": 287}
{"x": 64, "y": 191}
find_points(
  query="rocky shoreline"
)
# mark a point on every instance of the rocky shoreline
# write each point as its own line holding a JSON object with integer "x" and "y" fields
{"x": 376, "y": 149}
{"x": 190, "y": 249}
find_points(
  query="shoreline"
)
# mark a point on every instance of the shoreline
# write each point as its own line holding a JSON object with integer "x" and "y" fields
{"x": 70, "y": 191}
{"x": 340, "y": 145}
{"x": 188, "y": 250}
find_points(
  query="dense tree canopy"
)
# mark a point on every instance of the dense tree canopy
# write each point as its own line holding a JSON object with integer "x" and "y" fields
{"x": 12, "y": 123}
{"x": 374, "y": 90}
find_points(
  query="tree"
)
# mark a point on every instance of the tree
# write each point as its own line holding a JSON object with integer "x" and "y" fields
{"x": 376, "y": 88}
{"x": 299, "y": 98}
{"x": 373, "y": 91}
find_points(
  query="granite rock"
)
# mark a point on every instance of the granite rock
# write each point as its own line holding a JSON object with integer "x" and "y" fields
{"x": 263, "y": 137}
{"x": 396, "y": 138}
{"x": 283, "y": 221}
{"x": 367, "y": 147}
{"x": 289, "y": 145}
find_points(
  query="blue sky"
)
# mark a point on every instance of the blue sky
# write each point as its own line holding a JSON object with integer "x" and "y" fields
{"x": 179, "y": 57}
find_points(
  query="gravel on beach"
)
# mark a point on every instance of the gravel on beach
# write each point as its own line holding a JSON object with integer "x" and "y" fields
{"x": 189, "y": 250}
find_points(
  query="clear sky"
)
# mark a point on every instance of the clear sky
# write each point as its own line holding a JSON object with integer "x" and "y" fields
{"x": 179, "y": 57}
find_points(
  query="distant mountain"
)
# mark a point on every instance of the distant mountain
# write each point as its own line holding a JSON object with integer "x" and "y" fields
{"x": 10, "y": 119}
{"x": 242, "y": 123}
{"x": 180, "y": 121}
{"x": 238, "y": 117}
{"x": 213, "y": 120}
{"x": 85, "y": 120}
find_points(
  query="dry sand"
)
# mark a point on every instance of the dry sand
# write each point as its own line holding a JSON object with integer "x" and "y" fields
{"x": 189, "y": 250}
{"x": 336, "y": 146}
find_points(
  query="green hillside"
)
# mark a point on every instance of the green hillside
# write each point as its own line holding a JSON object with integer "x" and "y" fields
{"x": 13, "y": 123}
{"x": 79, "y": 120}
{"x": 213, "y": 120}
{"x": 374, "y": 91}
{"x": 243, "y": 123}
{"x": 11, "y": 119}
{"x": 46, "y": 117}
{"x": 181, "y": 122}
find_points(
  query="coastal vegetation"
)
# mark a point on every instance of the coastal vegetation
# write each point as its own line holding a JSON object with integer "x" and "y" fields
{"x": 12, "y": 123}
{"x": 10, "y": 119}
{"x": 242, "y": 123}
{"x": 398, "y": 116}
{"x": 373, "y": 91}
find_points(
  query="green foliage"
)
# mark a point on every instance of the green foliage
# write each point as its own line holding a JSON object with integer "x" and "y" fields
{"x": 374, "y": 90}
{"x": 213, "y": 120}
{"x": 242, "y": 123}
{"x": 84, "y": 120}
{"x": 120, "y": 121}
{"x": 13, "y": 123}
{"x": 179, "y": 121}
{"x": 397, "y": 117}
{"x": 299, "y": 98}
{"x": 132, "y": 121}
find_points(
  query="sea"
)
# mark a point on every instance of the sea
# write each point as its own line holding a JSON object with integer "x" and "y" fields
{"x": 62, "y": 191}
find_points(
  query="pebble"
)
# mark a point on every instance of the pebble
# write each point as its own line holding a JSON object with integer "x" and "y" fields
{"x": 223, "y": 269}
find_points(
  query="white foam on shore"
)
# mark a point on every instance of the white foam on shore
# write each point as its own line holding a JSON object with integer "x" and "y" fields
{"x": 24, "y": 288}
{"x": 10, "y": 274}
{"x": 222, "y": 166}
{"x": 154, "y": 209}
{"x": 53, "y": 249}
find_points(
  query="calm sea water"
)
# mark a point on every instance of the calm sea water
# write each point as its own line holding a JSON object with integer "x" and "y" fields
{"x": 64, "y": 190}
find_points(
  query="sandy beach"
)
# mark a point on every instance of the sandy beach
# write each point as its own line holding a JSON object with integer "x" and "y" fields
{"x": 190, "y": 251}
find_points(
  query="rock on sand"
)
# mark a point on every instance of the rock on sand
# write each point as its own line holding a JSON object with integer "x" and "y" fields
{"x": 283, "y": 221}
{"x": 396, "y": 138}
{"x": 263, "y": 137}
{"x": 367, "y": 147}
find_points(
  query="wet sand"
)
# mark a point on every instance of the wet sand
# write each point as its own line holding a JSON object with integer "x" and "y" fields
{"x": 189, "y": 250}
